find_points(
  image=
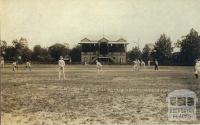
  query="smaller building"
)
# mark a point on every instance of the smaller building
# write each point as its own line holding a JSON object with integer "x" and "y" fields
{"x": 104, "y": 50}
{"x": 182, "y": 105}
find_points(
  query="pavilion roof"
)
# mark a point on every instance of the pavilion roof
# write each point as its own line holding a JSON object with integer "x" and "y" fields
{"x": 182, "y": 93}
{"x": 103, "y": 39}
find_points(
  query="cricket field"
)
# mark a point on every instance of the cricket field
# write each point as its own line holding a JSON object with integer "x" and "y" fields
{"x": 117, "y": 95}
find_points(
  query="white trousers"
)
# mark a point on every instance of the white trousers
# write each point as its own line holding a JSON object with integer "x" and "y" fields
{"x": 61, "y": 72}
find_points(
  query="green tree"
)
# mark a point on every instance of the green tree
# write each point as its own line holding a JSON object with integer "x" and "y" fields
{"x": 58, "y": 50}
{"x": 134, "y": 54}
{"x": 27, "y": 53}
{"x": 40, "y": 54}
{"x": 9, "y": 53}
{"x": 146, "y": 53}
{"x": 19, "y": 50}
{"x": 3, "y": 46}
{"x": 163, "y": 50}
{"x": 75, "y": 54}
{"x": 189, "y": 48}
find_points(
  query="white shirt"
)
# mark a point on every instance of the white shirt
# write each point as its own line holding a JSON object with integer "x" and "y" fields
{"x": 197, "y": 66}
{"x": 61, "y": 63}
{"x": 134, "y": 62}
{"x": 28, "y": 64}
{"x": 2, "y": 61}
{"x": 156, "y": 62}
{"x": 14, "y": 63}
{"x": 99, "y": 64}
{"x": 143, "y": 63}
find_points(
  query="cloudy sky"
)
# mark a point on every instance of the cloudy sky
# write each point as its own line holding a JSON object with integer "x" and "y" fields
{"x": 46, "y": 22}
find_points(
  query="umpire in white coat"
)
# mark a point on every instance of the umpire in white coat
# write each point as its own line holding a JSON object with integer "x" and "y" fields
{"x": 61, "y": 64}
{"x": 197, "y": 69}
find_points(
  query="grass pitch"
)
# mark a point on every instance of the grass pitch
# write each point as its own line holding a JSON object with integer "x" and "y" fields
{"x": 115, "y": 96}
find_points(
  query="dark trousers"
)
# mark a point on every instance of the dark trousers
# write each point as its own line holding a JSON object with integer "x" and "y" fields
{"x": 156, "y": 67}
{"x": 197, "y": 76}
{"x": 15, "y": 67}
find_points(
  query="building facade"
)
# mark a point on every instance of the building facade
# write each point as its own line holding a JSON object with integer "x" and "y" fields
{"x": 112, "y": 52}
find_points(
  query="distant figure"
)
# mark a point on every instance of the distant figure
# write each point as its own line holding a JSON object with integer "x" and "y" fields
{"x": 156, "y": 64}
{"x": 70, "y": 61}
{"x": 86, "y": 64}
{"x": 99, "y": 66}
{"x": 143, "y": 64}
{"x": 61, "y": 64}
{"x": 149, "y": 63}
{"x": 138, "y": 65}
{"x": 197, "y": 69}
{"x": 135, "y": 65}
{"x": 2, "y": 62}
{"x": 28, "y": 65}
{"x": 14, "y": 64}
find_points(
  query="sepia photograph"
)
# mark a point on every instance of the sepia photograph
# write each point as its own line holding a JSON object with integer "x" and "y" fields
{"x": 100, "y": 62}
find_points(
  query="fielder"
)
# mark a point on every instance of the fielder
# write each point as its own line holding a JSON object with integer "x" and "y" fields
{"x": 61, "y": 64}
{"x": 197, "y": 69}
{"x": 143, "y": 64}
{"x": 135, "y": 65}
{"x": 86, "y": 64}
{"x": 14, "y": 64}
{"x": 28, "y": 65}
{"x": 2, "y": 62}
{"x": 156, "y": 64}
{"x": 149, "y": 63}
{"x": 138, "y": 64}
{"x": 99, "y": 66}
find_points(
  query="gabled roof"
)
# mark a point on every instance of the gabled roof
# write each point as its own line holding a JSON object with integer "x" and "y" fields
{"x": 182, "y": 93}
{"x": 121, "y": 40}
{"x": 85, "y": 40}
{"x": 103, "y": 40}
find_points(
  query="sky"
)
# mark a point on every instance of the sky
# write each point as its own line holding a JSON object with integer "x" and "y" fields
{"x": 46, "y": 22}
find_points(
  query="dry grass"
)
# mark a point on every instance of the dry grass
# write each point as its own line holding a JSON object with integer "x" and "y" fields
{"x": 115, "y": 96}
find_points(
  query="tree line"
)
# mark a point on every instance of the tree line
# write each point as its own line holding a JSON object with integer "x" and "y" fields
{"x": 162, "y": 50}
{"x": 22, "y": 53}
